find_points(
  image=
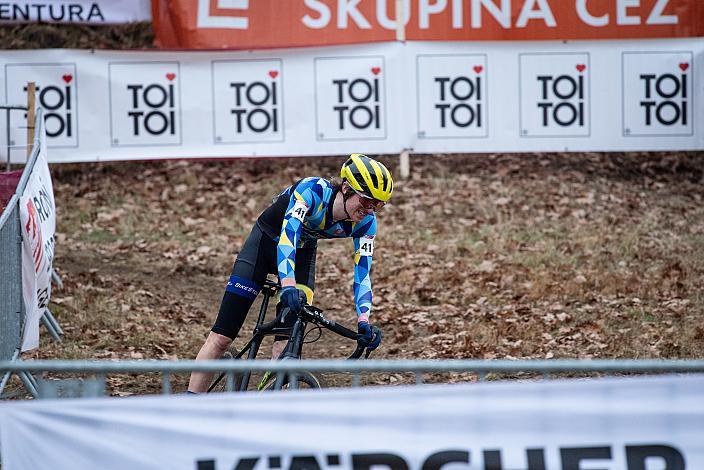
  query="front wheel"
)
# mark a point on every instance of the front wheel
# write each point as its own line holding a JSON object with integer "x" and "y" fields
{"x": 305, "y": 380}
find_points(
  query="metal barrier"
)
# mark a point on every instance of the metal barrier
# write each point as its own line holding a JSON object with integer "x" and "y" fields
{"x": 12, "y": 308}
{"x": 49, "y": 388}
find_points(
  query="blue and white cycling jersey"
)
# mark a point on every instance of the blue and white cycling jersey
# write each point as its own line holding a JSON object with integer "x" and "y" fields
{"x": 303, "y": 213}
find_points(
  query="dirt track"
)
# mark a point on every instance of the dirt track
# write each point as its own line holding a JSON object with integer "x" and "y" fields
{"x": 514, "y": 256}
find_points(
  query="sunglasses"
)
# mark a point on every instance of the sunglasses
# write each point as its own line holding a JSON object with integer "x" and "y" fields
{"x": 369, "y": 203}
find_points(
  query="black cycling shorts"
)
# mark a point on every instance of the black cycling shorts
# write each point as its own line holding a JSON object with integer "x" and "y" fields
{"x": 255, "y": 261}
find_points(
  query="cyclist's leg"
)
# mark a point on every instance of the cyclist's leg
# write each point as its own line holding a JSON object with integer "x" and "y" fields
{"x": 305, "y": 281}
{"x": 248, "y": 274}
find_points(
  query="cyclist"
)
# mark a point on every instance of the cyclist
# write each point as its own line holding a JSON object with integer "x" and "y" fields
{"x": 283, "y": 241}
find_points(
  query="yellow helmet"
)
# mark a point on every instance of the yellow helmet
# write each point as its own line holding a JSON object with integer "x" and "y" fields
{"x": 368, "y": 177}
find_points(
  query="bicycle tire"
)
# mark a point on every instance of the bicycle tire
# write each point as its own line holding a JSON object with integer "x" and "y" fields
{"x": 219, "y": 384}
{"x": 306, "y": 380}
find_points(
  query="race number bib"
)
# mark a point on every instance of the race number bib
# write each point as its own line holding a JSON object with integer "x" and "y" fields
{"x": 299, "y": 210}
{"x": 366, "y": 246}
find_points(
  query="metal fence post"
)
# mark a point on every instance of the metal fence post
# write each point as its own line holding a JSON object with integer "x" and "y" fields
{"x": 51, "y": 325}
{"x": 56, "y": 279}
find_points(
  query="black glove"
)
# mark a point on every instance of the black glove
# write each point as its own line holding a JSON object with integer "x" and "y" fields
{"x": 292, "y": 298}
{"x": 368, "y": 336}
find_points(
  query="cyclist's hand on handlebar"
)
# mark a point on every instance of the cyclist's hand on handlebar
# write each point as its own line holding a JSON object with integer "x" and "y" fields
{"x": 293, "y": 298}
{"x": 368, "y": 336}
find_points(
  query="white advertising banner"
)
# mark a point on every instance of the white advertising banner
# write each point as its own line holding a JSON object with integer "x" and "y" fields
{"x": 75, "y": 11}
{"x": 38, "y": 219}
{"x": 425, "y": 97}
{"x": 614, "y": 424}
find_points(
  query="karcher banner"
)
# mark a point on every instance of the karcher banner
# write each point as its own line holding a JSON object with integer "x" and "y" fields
{"x": 426, "y": 97}
{"x": 616, "y": 424}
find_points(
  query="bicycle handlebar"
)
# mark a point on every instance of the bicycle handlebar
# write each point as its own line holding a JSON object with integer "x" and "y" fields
{"x": 360, "y": 349}
{"x": 318, "y": 318}
{"x": 315, "y": 315}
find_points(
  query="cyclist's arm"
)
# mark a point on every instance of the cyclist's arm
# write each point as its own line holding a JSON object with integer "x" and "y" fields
{"x": 363, "y": 237}
{"x": 302, "y": 200}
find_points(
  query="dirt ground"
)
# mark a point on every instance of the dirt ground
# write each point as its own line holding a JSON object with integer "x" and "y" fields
{"x": 478, "y": 256}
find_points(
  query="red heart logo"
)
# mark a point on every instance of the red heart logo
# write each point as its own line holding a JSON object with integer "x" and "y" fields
{"x": 376, "y": 70}
{"x": 67, "y": 78}
{"x": 684, "y": 66}
{"x": 273, "y": 73}
{"x": 478, "y": 68}
{"x": 170, "y": 76}
{"x": 581, "y": 67}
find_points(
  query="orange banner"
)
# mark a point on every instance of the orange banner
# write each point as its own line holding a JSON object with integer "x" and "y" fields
{"x": 251, "y": 24}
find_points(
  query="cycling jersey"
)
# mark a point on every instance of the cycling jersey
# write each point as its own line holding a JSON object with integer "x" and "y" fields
{"x": 301, "y": 214}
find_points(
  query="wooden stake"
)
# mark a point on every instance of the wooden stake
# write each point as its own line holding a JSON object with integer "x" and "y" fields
{"x": 31, "y": 91}
{"x": 405, "y": 165}
{"x": 400, "y": 25}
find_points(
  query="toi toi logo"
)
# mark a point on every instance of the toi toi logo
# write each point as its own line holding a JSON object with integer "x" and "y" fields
{"x": 562, "y": 99}
{"x": 658, "y": 93}
{"x": 56, "y": 101}
{"x": 456, "y": 98}
{"x": 248, "y": 101}
{"x": 350, "y": 98}
{"x": 554, "y": 94}
{"x": 665, "y": 98}
{"x": 56, "y": 92}
{"x": 358, "y": 102}
{"x": 452, "y": 92}
{"x": 256, "y": 106}
{"x": 145, "y": 103}
{"x": 152, "y": 109}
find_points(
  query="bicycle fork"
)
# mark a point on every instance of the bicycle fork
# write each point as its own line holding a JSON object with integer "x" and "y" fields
{"x": 292, "y": 351}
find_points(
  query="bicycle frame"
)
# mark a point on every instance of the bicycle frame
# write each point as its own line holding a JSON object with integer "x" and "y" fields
{"x": 296, "y": 334}
{"x": 252, "y": 346}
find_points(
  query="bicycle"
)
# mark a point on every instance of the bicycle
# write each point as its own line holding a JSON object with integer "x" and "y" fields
{"x": 296, "y": 339}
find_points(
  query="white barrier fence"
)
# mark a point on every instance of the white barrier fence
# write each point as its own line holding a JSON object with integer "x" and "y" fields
{"x": 376, "y": 98}
{"x": 625, "y": 423}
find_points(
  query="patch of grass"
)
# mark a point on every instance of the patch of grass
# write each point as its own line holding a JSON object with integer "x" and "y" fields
{"x": 98, "y": 236}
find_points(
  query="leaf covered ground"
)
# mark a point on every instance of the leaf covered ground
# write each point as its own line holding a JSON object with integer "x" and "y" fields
{"x": 478, "y": 256}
